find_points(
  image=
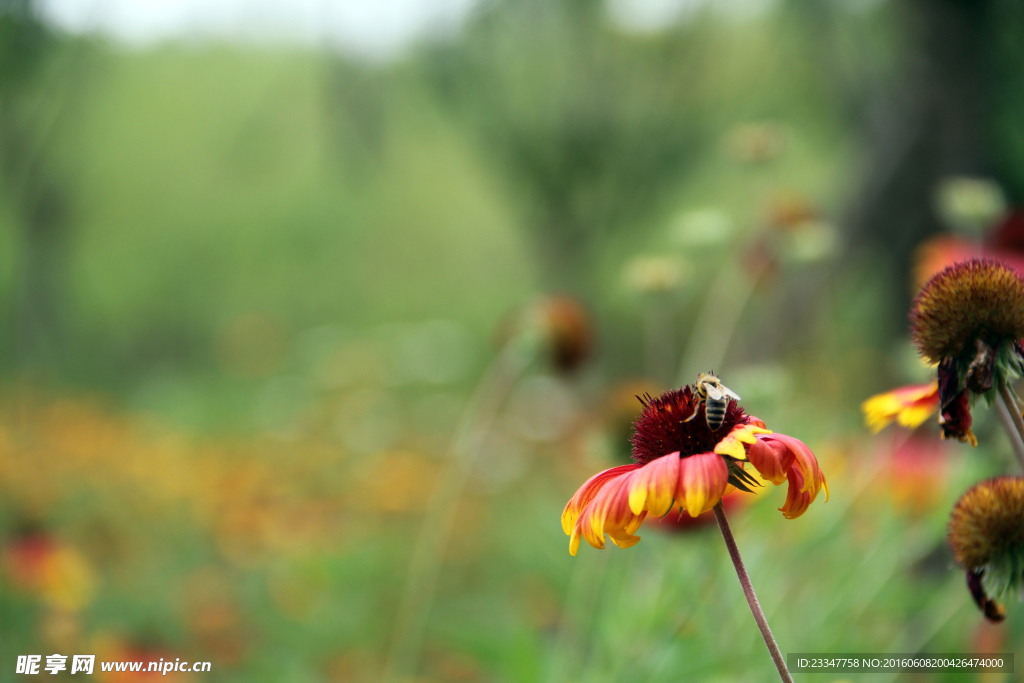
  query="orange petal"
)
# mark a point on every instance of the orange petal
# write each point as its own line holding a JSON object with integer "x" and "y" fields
{"x": 653, "y": 486}
{"x": 741, "y": 434}
{"x": 909, "y": 406}
{"x": 797, "y": 499}
{"x": 756, "y": 421}
{"x": 702, "y": 481}
{"x": 586, "y": 493}
{"x": 609, "y": 513}
{"x": 803, "y": 459}
{"x": 771, "y": 459}
{"x": 801, "y": 492}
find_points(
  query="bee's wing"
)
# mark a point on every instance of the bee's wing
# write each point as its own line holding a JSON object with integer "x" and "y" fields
{"x": 715, "y": 393}
{"x": 730, "y": 393}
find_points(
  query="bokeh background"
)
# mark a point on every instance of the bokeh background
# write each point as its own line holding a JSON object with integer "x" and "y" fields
{"x": 275, "y": 312}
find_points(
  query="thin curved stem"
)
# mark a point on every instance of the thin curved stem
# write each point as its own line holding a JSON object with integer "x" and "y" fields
{"x": 748, "y": 591}
{"x": 1015, "y": 429}
{"x": 428, "y": 553}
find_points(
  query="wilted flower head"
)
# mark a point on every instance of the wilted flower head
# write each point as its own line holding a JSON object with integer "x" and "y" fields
{"x": 969, "y": 319}
{"x": 567, "y": 330}
{"x": 986, "y": 533}
{"x": 682, "y": 464}
{"x": 559, "y": 323}
{"x": 969, "y": 301}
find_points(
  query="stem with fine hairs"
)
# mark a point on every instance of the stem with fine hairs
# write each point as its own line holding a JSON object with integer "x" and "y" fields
{"x": 748, "y": 591}
{"x": 428, "y": 553}
{"x": 1008, "y": 411}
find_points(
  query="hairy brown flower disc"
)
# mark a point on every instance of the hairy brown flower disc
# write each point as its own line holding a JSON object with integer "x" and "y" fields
{"x": 987, "y": 523}
{"x": 967, "y": 301}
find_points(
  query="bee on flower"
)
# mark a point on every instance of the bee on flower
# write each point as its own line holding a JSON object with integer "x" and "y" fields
{"x": 683, "y": 462}
{"x": 684, "y": 466}
{"x": 621, "y": 413}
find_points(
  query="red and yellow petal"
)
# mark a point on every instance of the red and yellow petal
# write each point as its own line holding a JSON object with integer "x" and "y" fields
{"x": 732, "y": 444}
{"x": 702, "y": 481}
{"x": 586, "y": 493}
{"x": 653, "y": 486}
{"x": 804, "y": 460}
{"x": 772, "y": 459}
{"x": 608, "y": 513}
{"x": 797, "y": 499}
{"x": 909, "y": 406}
{"x": 803, "y": 489}
{"x": 778, "y": 457}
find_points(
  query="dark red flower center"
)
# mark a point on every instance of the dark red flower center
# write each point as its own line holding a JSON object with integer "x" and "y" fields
{"x": 663, "y": 426}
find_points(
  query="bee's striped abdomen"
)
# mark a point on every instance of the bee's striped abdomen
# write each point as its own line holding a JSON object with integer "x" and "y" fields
{"x": 715, "y": 412}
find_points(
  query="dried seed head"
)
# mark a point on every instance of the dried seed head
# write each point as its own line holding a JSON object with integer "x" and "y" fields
{"x": 970, "y": 300}
{"x": 986, "y": 533}
{"x": 566, "y": 325}
{"x": 561, "y": 326}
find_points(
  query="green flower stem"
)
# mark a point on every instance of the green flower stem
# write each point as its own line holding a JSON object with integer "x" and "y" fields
{"x": 748, "y": 591}
{"x": 1008, "y": 410}
{"x": 428, "y": 553}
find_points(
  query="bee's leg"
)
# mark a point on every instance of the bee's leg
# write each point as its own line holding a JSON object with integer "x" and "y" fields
{"x": 695, "y": 411}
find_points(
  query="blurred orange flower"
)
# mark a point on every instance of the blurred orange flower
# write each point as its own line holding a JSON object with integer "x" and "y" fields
{"x": 58, "y": 574}
{"x": 909, "y": 406}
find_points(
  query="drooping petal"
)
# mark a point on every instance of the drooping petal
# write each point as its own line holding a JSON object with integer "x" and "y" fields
{"x": 910, "y": 406}
{"x": 608, "y": 513}
{"x": 777, "y": 457}
{"x": 955, "y": 420}
{"x": 741, "y": 434}
{"x": 771, "y": 459}
{"x": 702, "y": 481}
{"x": 797, "y": 499}
{"x": 653, "y": 486}
{"x": 586, "y": 493}
{"x": 801, "y": 493}
{"x": 804, "y": 460}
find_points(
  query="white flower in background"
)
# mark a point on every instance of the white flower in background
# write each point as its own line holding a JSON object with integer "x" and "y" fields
{"x": 702, "y": 228}
{"x": 655, "y": 274}
{"x": 969, "y": 205}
